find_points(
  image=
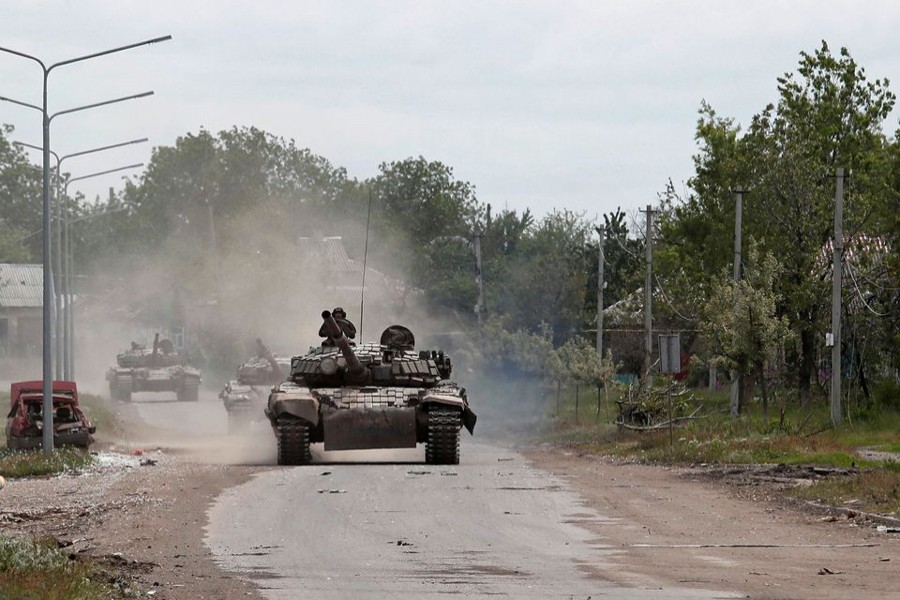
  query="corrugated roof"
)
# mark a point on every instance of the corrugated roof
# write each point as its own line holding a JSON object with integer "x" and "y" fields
{"x": 331, "y": 253}
{"x": 21, "y": 286}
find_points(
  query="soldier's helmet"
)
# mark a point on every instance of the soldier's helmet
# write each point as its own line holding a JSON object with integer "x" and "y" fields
{"x": 339, "y": 313}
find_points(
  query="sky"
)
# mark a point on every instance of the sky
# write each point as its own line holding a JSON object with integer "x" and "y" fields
{"x": 579, "y": 105}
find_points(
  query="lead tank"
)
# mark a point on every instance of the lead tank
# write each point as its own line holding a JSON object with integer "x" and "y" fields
{"x": 375, "y": 395}
{"x": 161, "y": 369}
{"x": 245, "y": 396}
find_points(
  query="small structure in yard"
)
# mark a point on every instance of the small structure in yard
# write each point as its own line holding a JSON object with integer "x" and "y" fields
{"x": 21, "y": 299}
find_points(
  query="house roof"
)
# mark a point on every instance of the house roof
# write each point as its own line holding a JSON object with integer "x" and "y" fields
{"x": 21, "y": 286}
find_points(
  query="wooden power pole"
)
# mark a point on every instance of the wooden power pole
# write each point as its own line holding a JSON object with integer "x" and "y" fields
{"x": 648, "y": 292}
{"x": 600, "y": 285}
{"x": 836, "y": 277}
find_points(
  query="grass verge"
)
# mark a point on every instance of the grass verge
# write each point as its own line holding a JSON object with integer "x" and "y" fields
{"x": 32, "y": 463}
{"x": 787, "y": 435}
{"x": 39, "y": 570}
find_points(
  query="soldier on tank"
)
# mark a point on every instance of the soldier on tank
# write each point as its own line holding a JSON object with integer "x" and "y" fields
{"x": 340, "y": 317}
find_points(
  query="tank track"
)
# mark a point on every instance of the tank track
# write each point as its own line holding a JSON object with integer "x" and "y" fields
{"x": 442, "y": 446}
{"x": 293, "y": 441}
{"x": 120, "y": 388}
{"x": 189, "y": 391}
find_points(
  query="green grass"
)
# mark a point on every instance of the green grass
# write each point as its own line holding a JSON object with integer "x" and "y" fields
{"x": 38, "y": 570}
{"x": 796, "y": 436}
{"x": 873, "y": 491}
{"x": 101, "y": 416}
{"x": 32, "y": 463}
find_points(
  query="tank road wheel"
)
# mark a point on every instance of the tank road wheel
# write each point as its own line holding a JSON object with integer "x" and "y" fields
{"x": 293, "y": 441}
{"x": 442, "y": 446}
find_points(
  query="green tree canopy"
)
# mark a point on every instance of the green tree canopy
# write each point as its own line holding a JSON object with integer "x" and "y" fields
{"x": 828, "y": 115}
{"x": 21, "y": 189}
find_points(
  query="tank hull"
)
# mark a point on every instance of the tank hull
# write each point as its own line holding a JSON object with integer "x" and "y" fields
{"x": 184, "y": 381}
{"x": 364, "y": 418}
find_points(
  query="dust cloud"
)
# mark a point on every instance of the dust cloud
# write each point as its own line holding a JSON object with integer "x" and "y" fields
{"x": 225, "y": 290}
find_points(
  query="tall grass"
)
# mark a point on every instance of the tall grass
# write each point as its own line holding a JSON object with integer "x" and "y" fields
{"x": 38, "y": 570}
{"x": 788, "y": 434}
{"x": 27, "y": 463}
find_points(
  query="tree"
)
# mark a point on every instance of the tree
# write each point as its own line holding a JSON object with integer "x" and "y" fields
{"x": 827, "y": 115}
{"x": 583, "y": 364}
{"x": 547, "y": 279}
{"x": 21, "y": 212}
{"x": 740, "y": 321}
{"x": 423, "y": 224}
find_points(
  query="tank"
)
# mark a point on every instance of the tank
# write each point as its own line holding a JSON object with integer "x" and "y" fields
{"x": 245, "y": 396}
{"x": 161, "y": 369}
{"x": 374, "y": 395}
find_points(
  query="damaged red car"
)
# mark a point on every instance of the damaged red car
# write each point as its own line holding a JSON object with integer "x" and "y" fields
{"x": 25, "y": 421}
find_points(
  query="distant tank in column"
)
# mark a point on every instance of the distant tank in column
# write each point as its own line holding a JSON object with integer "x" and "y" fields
{"x": 160, "y": 369}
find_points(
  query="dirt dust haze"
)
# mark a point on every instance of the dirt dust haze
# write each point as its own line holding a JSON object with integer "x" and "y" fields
{"x": 253, "y": 284}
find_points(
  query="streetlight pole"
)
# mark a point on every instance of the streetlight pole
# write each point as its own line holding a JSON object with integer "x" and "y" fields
{"x": 60, "y": 264}
{"x": 67, "y": 282}
{"x": 63, "y": 314}
{"x": 59, "y": 315}
{"x": 47, "y": 441}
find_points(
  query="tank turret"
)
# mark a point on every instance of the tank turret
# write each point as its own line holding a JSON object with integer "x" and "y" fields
{"x": 264, "y": 352}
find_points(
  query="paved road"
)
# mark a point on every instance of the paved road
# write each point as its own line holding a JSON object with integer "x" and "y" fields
{"x": 381, "y": 524}
{"x": 491, "y": 527}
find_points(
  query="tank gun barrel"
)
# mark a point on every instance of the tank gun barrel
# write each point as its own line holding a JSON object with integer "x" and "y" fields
{"x": 355, "y": 368}
{"x": 265, "y": 353}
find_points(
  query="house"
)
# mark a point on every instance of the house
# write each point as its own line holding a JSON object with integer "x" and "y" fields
{"x": 343, "y": 276}
{"x": 21, "y": 314}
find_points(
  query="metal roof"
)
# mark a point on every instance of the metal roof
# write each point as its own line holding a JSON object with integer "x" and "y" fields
{"x": 21, "y": 286}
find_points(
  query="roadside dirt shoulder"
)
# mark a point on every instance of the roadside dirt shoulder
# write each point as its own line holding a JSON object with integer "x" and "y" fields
{"x": 143, "y": 516}
{"x": 745, "y": 542}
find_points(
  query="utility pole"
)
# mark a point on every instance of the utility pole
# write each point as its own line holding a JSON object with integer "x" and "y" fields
{"x": 648, "y": 291}
{"x": 600, "y": 285}
{"x": 479, "y": 287}
{"x": 738, "y": 213}
{"x": 836, "y": 276}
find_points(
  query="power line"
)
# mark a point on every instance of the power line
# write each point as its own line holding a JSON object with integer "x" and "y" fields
{"x": 859, "y": 293}
{"x": 668, "y": 301}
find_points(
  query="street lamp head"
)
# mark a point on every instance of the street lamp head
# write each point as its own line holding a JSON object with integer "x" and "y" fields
{"x": 20, "y": 103}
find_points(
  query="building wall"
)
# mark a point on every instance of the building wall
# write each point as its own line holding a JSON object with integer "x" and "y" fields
{"x": 21, "y": 331}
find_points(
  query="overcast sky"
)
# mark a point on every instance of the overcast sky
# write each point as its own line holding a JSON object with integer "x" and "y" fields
{"x": 585, "y": 105}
